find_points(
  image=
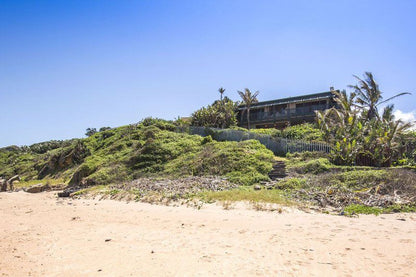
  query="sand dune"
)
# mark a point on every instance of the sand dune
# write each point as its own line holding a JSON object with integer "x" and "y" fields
{"x": 45, "y": 236}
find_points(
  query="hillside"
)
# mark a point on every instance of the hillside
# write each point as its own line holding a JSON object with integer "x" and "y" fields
{"x": 154, "y": 162}
{"x": 151, "y": 148}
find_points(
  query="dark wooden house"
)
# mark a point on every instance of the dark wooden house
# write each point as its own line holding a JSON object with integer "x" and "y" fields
{"x": 286, "y": 111}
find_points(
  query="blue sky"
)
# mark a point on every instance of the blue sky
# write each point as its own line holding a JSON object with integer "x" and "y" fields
{"x": 69, "y": 65}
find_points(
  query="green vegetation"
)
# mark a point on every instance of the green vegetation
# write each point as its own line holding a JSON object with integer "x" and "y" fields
{"x": 90, "y": 131}
{"x": 308, "y": 162}
{"x": 361, "y": 209}
{"x": 47, "y": 181}
{"x": 292, "y": 183}
{"x": 314, "y": 166}
{"x": 157, "y": 154}
{"x": 150, "y": 148}
{"x": 221, "y": 114}
{"x": 270, "y": 131}
{"x": 352, "y": 189}
{"x": 305, "y": 131}
{"x": 246, "y": 194}
{"x": 359, "y": 134}
{"x": 226, "y": 159}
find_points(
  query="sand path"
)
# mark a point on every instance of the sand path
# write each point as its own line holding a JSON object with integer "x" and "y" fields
{"x": 41, "y": 235}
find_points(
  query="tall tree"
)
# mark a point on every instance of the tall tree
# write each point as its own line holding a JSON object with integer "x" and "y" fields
{"x": 90, "y": 131}
{"x": 249, "y": 99}
{"x": 358, "y": 133}
{"x": 369, "y": 96}
{"x": 221, "y": 91}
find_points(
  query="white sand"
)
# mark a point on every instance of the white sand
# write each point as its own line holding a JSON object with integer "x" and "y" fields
{"x": 45, "y": 236}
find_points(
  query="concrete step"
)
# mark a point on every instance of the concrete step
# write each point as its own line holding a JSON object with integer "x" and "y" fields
{"x": 278, "y": 170}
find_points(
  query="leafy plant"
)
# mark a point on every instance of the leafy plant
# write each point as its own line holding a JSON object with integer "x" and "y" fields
{"x": 90, "y": 131}
{"x": 359, "y": 134}
{"x": 221, "y": 114}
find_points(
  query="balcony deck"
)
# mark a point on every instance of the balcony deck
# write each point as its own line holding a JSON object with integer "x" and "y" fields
{"x": 285, "y": 115}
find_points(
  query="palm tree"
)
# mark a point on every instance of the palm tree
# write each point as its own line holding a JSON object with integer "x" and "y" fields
{"x": 248, "y": 99}
{"x": 369, "y": 95}
{"x": 391, "y": 130}
{"x": 221, "y": 90}
{"x": 341, "y": 127}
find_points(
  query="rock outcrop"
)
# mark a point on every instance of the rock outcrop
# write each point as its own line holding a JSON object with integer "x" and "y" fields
{"x": 65, "y": 158}
{"x": 38, "y": 188}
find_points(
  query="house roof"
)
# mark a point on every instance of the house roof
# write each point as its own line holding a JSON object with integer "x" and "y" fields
{"x": 295, "y": 99}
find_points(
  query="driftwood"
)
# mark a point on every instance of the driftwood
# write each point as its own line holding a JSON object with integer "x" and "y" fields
{"x": 8, "y": 183}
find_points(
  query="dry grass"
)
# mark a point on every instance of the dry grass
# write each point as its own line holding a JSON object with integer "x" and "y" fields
{"x": 227, "y": 205}
{"x": 247, "y": 194}
{"x": 50, "y": 182}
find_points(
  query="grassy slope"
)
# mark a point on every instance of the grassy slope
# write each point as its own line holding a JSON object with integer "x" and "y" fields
{"x": 129, "y": 152}
{"x": 152, "y": 149}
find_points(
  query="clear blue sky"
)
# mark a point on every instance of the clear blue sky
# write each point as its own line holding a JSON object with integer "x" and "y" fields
{"x": 69, "y": 65}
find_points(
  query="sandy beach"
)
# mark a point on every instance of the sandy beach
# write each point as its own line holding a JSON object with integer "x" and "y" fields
{"x": 42, "y": 235}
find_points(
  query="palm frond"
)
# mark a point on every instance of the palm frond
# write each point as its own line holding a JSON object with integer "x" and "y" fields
{"x": 397, "y": 95}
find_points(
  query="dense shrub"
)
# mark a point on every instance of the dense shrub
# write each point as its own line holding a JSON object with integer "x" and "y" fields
{"x": 221, "y": 114}
{"x": 313, "y": 166}
{"x": 46, "y": 146}
{"x": 306, "y": 131}
{"x": 159, "y": 123}
{"x": 271, "y": 131}
{"x": 245, "y": 162}
{"x": 292, "y": 183}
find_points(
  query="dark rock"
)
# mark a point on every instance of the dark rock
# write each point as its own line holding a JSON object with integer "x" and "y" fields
{"x": 69, "y": 190}
{"x": 64, "y": 194}
{"x": 269, "y": 186}
{"x": 64, "y": 159}
{"x": 38, "y": 188}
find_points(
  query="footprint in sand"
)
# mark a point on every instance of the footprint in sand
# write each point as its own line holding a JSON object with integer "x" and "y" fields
{"x": 406, "y": 241}
{"x": 336, "y": 230}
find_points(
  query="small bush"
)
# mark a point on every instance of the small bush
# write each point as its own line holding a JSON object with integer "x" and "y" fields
{"x": 158, "y": 123}
{"x": 206, "y": 140}
{"x": 245, "y": 194}
{"x": 361, "y": 209}
{"x": 305, "y": 156}
{"x": 271, "y": 131}
{"x": 313, "y": 166}
{"x": 306, "y": 131}
{"x": 292, "y": 183}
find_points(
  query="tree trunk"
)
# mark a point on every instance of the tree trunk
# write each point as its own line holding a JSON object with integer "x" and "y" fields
{"x": 248, "y": 118}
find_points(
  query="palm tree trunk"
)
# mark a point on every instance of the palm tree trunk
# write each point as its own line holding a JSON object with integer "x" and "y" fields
{"x": 248, "y": 118}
